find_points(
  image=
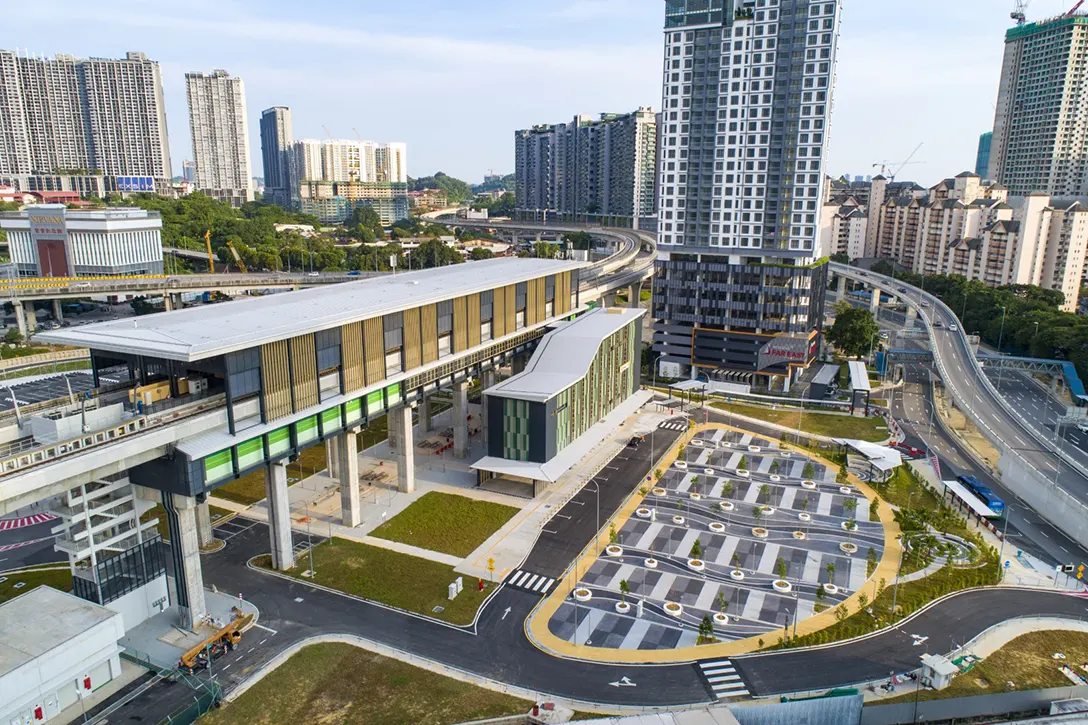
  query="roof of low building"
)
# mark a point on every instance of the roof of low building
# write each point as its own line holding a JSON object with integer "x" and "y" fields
{"x": 43, "y": 620}
{"x": 201, "y": 332}
{"x": 564, "y": 355}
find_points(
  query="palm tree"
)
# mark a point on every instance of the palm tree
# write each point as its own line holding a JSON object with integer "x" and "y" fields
{"x": 695, "y": 484}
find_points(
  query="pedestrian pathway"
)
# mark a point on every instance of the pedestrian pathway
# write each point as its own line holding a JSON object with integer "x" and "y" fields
{"x": 674, "y": 425}
{"x": 723, "y": 679}
{"x": 530, "y": 582}
{"x": 24, "y": 521}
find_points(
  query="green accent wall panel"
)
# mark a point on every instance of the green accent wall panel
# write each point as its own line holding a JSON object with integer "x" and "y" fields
{"x": 279, "y": 442}
{"x": 330, "y": 420}
{"x": 353, "y": 411}
{"x": 374, "y": 404}
{"x": 250, "y": 453}
{"x": 306, "y": 430}
{"x": 218, "y": 466}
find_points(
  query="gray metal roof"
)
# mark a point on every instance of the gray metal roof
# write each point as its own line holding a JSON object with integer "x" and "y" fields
{"x": 564, "y": 355}
{"x": 826, "y": 374}
{"x": 859, "y": 376}
{"x": 209, "y": 330}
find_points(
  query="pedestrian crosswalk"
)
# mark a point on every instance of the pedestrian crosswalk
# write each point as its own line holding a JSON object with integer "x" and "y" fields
{"x": 674, "y": 425}
{"x": 530, "y": 582}
{"x": 20, "y": 522}
{"x": 723, "y": 679}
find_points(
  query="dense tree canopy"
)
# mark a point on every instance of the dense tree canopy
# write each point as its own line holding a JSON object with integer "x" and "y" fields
{"x": 503, "y": 206}
{"x": 503, "y": 182}
{"x": 456, "y": 190}
{"x": 853, "y": 331}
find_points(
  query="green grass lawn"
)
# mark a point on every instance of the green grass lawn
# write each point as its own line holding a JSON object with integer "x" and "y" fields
{"x": 826, "y": 424}
{"x": 339, "y": 683}
{"x": 446, "y": 522}
{"x": 58, "y": 579}
{"x": 1026, "y": 661}
{"x": 408, "y": 582}
{"x": 249, "y": 489}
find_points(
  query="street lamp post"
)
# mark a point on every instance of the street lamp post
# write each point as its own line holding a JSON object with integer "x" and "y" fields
{"x": 597, "y": 486}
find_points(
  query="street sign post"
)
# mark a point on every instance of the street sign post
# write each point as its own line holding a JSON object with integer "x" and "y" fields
{"x": 491, "y": 568}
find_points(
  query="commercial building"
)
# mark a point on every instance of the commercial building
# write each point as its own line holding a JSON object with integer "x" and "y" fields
{"x": 188, "y": 171}
{"x": 330, "y": 178}
{"x": 50, "y": 240}
{"x": 54, "y": 649}
{"x": 588, "y": 168}
{"x": 220, "y": 133}
{"x": 982, "y": 159}
{"x": 277, "y": 135}
{"x": 84, "y": 117}
{"x": 1040, "y": 139}
{"x": 746, "y": 87}
{"x": 969, "y": 227}
{"x": 580, "y": 373}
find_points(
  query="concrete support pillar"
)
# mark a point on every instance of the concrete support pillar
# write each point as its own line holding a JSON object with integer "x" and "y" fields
{"x": 391, "y": 434}
{"x": 185, "y": 549}
{"x": 401, "y": 419}
{"x": 426, "y": 424}
{"x": 787, "y": 381}
{"x": 204, "y": 534}
{"x": 168, "y": 302}
{"x": 31, "y": 318}
{"x": 608, "y": 299}
{"x": 842, "y": 286}
{"x": 517, "y": 365}
{"x": 633, "y": 293}
{"x": 279, "y": 516}
{"x": 348, "y": 467}
{"x": 332, "y": 457}
{"x": 58, "y": 311}
{"x": 460, "y": 420}
{"x": 874, "y": 304}
{"x": 912, "y": 317}
{"x": 20, "y": 320}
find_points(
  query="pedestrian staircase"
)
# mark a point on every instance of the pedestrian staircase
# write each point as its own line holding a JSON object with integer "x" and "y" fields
{"x": 723, "y": 679}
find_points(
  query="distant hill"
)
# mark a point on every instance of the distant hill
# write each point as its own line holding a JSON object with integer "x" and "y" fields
{"x": 504, "y": 182}
{"x": 456, "y": 190}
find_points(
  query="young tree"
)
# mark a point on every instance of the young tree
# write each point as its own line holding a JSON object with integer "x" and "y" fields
{"x": 727, "y": 489}
{"x": 850, "y": 505}
{"x": 706, "y": 630}
{"x": 695, "y": 484}
{"x": 743, "y": 465}
{"x": 863, "y": 601}
{"x": 809, "y": 470}
{"x": 625, "y": 589}
{"x": 874, "y": 509}
{"x": 870, "y": 562}
{"x": 764, "y": 492}
{"x": 774, "y": 466}
{"x": 842, "y": 476}
{"x": 612, "y": 536}
{"x": 841, "y": 613}
{"x": 735, "y": 561}
{"x": 13, "y": 337}
{"x": 657, "y": 474}
{"x": 723, "y": 603}
{"x": 780, "y": 568}
{"x": 757, "y": 512}
{"x": 831, "y": 572}
{"x": 696, "y": 550}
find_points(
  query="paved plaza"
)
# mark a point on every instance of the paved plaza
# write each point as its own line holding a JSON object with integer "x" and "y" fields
{"x": 764, "y": 573}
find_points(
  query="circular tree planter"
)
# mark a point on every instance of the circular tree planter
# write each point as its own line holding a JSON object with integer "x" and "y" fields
{"x": 642, "y": 513}
{"x": 673, "y": 609}
{"x": 623, "y": 607}
{"x": 581, "y": 594}
{"x": 831, "y": 588}
{"x": 696, "y": 442}
{"x": 682, "y": 465}
{"x": 696, "y": 565}
{"x": 695, "y": 496}
{"x": 742, "y": 473}
{"x": 786, "y": 454}
{"x": 678, "y": 520}
{"x": 708, "y": 471}
{"x": 727, "y": 506}
{"x": 848, "y": 547}
{"x": 650, "y": 563}
{"x": 754, "y": 449}
{"x": 717, "y": 527}
{"x": 800, "y": 535}
{"x": 775, "y": 477}
{"x": 782, "y": 586}
{"x": 613, "y": 550}
{"x": 845, "y": 490}
{"x": 847, "y": 526}
{"x": 721, "y": 619}
{"x": 736, "y": 575}
{"x": 806, "y": 517}
{"x": 810, "y": 485}
{"x": 760, "y": 533}
{"x": 768, "y": 510}
{"x": 660, "y": 491}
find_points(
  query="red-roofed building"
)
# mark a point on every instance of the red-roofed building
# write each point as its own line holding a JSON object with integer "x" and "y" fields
{"x": 58, "y": 197}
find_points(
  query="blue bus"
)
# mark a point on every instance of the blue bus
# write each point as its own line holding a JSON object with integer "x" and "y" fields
{"x": 984, "y": 494}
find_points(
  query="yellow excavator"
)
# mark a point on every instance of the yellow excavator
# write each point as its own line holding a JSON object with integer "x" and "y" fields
{"x": 216, "y": 645}
{"x": 211, "y": 256}
{"x": 237, "y": 258}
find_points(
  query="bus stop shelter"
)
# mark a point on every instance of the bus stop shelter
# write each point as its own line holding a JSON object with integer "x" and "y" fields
{"x": 860, "y": 390}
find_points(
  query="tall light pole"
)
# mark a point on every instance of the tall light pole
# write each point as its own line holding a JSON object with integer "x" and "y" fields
{"x": 1000, "y": 339}
{"x": 598, "y": 538}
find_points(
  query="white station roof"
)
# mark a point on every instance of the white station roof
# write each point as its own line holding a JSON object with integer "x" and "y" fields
{"x": 564, "y": 355}
{"x": 859, "y": 376}
{"x": 973, "y": 502}
{"x": 209, "y": 330}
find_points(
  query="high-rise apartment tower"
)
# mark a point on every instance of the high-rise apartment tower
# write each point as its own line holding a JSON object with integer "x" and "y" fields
{"x": 220, "y": 131}
{"x": 1040, "y": 140}
{"x": 277, "y": 135}
{"x": 746, "y": 100}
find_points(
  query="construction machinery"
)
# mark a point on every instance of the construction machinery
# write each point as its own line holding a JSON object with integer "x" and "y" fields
{"x": 1074, "y": 10}
{"x": 891, "y": 169}
{"x": 217, "y": 644}
{"x": 211, "y": 256}
{"x": 1019, "y": 13}
{"x": 237, "y": 257}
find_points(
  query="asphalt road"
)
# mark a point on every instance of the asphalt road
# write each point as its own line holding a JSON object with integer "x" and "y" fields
{"x": 1039, "y": 408}
{"x": 912, "y": 408}
{"x": 29, "y": 545}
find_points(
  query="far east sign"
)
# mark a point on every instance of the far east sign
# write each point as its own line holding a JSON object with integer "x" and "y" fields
{"x": 796, "y": 350}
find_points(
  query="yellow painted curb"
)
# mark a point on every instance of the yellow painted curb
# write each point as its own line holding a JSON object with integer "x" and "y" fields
{"x": 542, "y": 637}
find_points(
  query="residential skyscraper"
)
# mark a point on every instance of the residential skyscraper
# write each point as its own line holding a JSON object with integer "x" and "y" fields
{"x": 75, "y": 115}
{"x": 1040, "y": 140}
{"x": 277, "y": 135}
{"x": 982, "y": 160}
{"x": 746, "y": 94}
{"x": 220, "y": 132}
{"x": 604, "y": 167}
{"x": 329, "y": 178}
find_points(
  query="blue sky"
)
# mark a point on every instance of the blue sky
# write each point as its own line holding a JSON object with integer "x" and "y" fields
{"x": 454, "y": 79}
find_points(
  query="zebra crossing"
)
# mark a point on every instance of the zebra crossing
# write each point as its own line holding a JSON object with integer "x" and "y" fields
{"x": 530, "y": 582}
{"x": 22, "y": 521}
{"x": 723, "y": 679}
{"x": 674, "y": 425}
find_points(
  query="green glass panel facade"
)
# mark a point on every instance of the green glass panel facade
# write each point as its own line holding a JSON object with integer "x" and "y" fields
{"x": 279, "y": 442}
{"x": 515, "y": 430}
{"x": 330, "y": 420}
{"x": 353, "y": 411}
{"x": 306, "y": 430}
{"x": 374, "y": 403}
{"x": 218, "y": 466}
{"x": 392, "y": 395}
{"x": 250, "y": 453}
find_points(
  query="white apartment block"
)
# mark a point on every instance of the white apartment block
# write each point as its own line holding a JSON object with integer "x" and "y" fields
{"x": 844, "y": 229}
{"x": 50, "y": 240}
{"x": 341, "y": 160}
{"x": 974, "y": 229}
{"x": 96, "y": 115}
{"x": 220, "y": 134}
{"x": 1040, "y": 136}
{"x": 604, "y": 166}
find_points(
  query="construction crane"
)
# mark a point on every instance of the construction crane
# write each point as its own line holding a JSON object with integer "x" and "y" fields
{"x": 211, "y": 257}
{"x": 237, "y": 257}
{"x": 1075, "y": 9}
{"x": 891, "y": 169}
{"x": 1019, "y": 14}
